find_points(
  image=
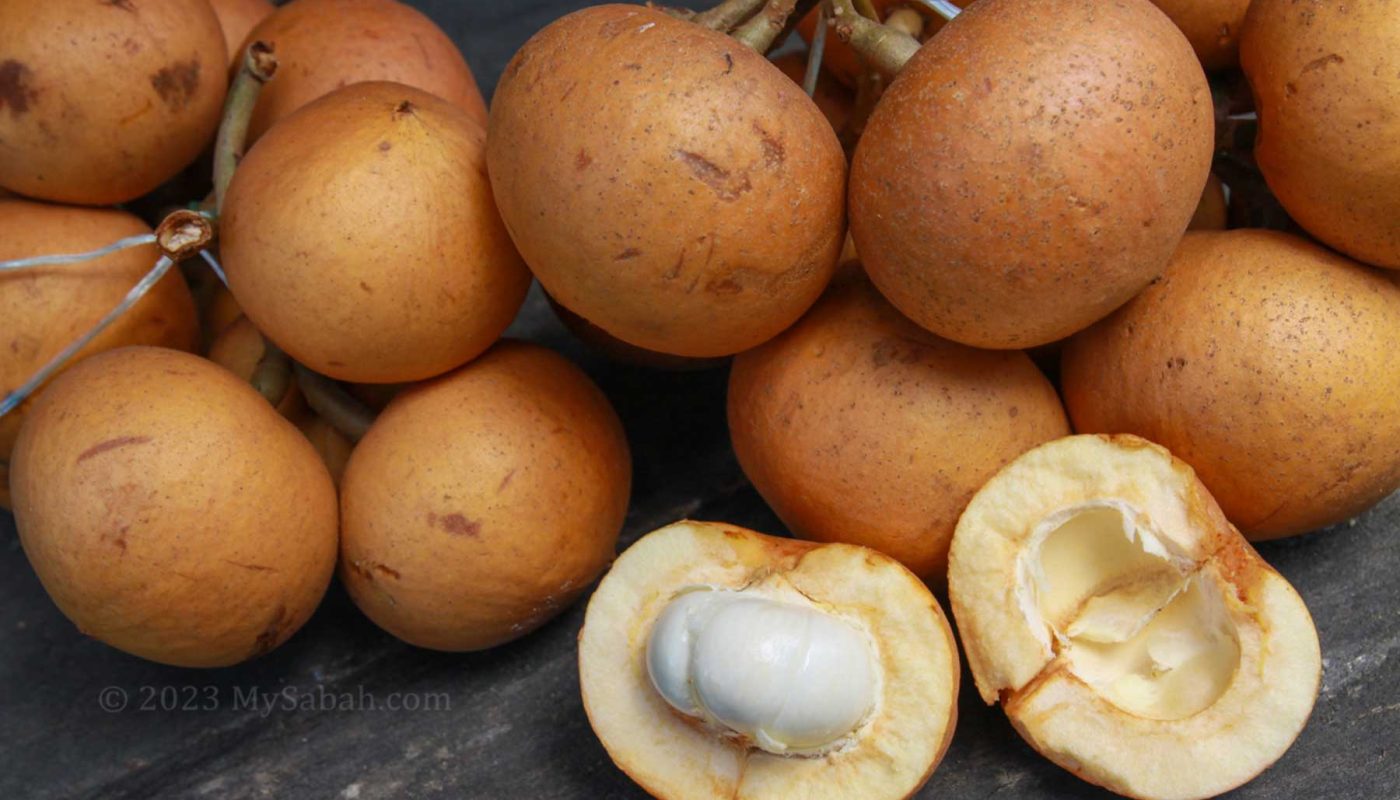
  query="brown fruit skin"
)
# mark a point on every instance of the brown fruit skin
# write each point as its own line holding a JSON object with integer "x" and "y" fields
{"x": 170, "y": 512}
{"x": 622, "y": 352}
{"x": 665, "y": 182}
{"x": 981, "y": 197}
{"x": 1212, "y": 27}
{"x": 1324, "y": 77}
{"x": 1266, "y": 363}
{"x": 236, "y": 19}
{"x": 1212, "y": 214}
{"x": 482, "y": 503}
{"x": 323, "y": 45}
{"x": 833, "y": 99}
{"x": 100, "y": 102}
{"x": 361, "y": 237}
{"x": 239, "y": 349}
{"x": 44, "y": 309}
{"x": 857, "y": 426}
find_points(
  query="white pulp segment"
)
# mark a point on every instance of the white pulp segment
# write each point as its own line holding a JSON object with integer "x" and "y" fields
{"x": 792, "y": 679}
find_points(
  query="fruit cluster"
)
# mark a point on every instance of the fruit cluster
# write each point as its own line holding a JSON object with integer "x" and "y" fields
{"x": 990, "y": 338}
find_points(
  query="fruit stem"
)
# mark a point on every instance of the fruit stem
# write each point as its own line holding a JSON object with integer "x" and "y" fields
{"x": 673, "y": 11}
{"x": 816, "y": 54}
{"x": 883, "y": 47}
{"x": 273, "y": 374}
{"x": 259, "y": 65}
{"x": 335, "y": 405}
{"x": 762, "y": 30}
{"x": 727, "y": 14}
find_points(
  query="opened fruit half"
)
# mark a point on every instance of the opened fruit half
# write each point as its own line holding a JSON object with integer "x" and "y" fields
{"x": 1128, "y": 630}
{"x": 719, "y": 662}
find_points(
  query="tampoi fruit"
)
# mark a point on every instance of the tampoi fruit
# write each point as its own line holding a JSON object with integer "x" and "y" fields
{"x": 482, "y": 503}
{"x": 622, "y": 352}
{"x": 858, "y": 426}
{"x": 716, "y": 662}
{"x": 45, "y": 309}
{"x": 323, "y": 45}
{"x": 239, "y": 349}
{"x": 1212, "y": 213}
{"x": 236, "y": 19}
{"x": 1265, "y": 362}
{"x": 1212, "y": 27}
{"x": 360, "y": 236}
{"x": 1129, "y": 632}
{"x": 666, "y": 182}
{"x": 101, "y": 102}
{"x": 981, "y": 199}
{"x": 1325, "y": 87}
{"x": 170, "y": 512}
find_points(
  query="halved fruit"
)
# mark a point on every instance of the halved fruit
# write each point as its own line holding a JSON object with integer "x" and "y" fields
{"x": 1129, "y": 631}
{"x": 717, "y": 662}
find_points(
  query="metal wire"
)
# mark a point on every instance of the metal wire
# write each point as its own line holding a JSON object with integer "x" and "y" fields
{"x": 76, "y": 258}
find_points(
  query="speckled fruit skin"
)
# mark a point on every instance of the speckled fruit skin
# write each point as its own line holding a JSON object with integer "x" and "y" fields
{"x": 665, "y": 182}
{"x": 1032, "y": 168}
{"x": 857, "y": 426}
{"x": 360, "y": 236}
{"x": 100, "y": 102}
{"x": 170, "y": 512}
{"x": 1326, "y": 82}
{"x": 1266, "y": 363}
{"x": 44, "y": 309}
{"x": 1212, "y": 27}
{"x": 482, "y": 503}
{"x": 323, "y": 45}
{"x": 236, "y": 18}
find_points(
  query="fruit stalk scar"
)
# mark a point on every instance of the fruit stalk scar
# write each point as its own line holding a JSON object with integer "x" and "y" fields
{"x": 259, "y": 65}
{"x": 344, "y": 413}
{"x": 885, "y": 48}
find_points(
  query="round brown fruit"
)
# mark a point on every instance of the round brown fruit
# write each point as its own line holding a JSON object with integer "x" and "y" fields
{"x": 666, "y": 182}
{"x": 236, "y": 19}
{"x": 239, "y": 349}
{"x": 622, "y": 352}
{"x": 482, "y": 503}
{"x": 980, "y": 198}
{"x": 857, "y": 426}
{"x": 45, "y": 309}
{"x": 170, "y": 512}
{"x": 361, "y": 237}
{"x": 1325, "y": 87}
{"x": 102, "y": 102}
{"x": 1266, "y": 363}
{"x": 323, "y": 45}
{"x": 1212, "y": 27}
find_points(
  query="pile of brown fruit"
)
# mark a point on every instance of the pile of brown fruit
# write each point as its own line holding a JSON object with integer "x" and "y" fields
{"x": 990, "y": 338}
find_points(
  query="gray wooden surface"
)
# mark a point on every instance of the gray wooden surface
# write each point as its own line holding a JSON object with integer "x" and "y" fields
{"x": 508, "y": 723}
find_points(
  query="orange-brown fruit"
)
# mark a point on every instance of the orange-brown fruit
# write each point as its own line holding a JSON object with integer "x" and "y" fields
{"x": 666, "y": 182}
{"x": 44, "y": 309}
{"x": 236, "y": 19}
{"x": 1265, "y": 362}
{"x": 834, "y": 100}
{"x": 170, "y": 512}
{"x": 323, "y": 45}
{"x": 1212, "y": 214}
{"x": 1212, "y": 27}
{"x": 620, "y": 351}
{"x": 482, "y": 503}
{"x": 1326, "y": 81}
{"x": 101, "y": 102}
{"x": 857, "y": 426}
{"x": 239, "y": 349}
{"x": 1011, "y": 189}
{"x": 841, "y": 58}
{"x": 360, "y": 236}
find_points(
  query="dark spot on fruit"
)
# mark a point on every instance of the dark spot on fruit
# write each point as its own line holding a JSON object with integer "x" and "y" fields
{"x": 15, "y": 91}
{"x": 675, "y": 270}
{"x": 389, "y": 571}
{"x": 723, "y": 286}
{"x": 365, "y": 287}
{"x": 627, "y": 254}
{"x": 111, "y": 444}
{"x": 888, "y": 351}
{"x": 725, "y": 186}
{"x": 385, "y": 147}
{"x": 406, "y": 107}
{"x": 632, "y": 67}
{"x": 251, "y": 567}
{"x": 773, "y": 151}
{"x": 271, "y": 634}
{"x": 124, "y": 5}
{"x": 1178, "y": 362}
{"x": 1290, "y": 89}
{"x": 1013, "y": 412}
{"x": 118, "y": 538}
{"x": 177, "y": 83}
{"x": 131, "y": 46}
{"x": 505, "y": 481}
{"x": 336, "y": 363}
{"x": 1322, "y": 63}
{"x": 582, "y": 160}
{"x": 728, "y": 63}
{"x": 456, "y": 524}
